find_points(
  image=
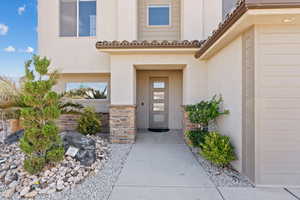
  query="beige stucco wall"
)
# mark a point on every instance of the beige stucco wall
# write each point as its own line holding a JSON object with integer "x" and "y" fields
{"x": 277, "y": 105}
{"x": 123, "y": 75}
{"x": 68, "y": 54}
{"x": 116, "y": 20}
{"x": 225, "y": 78}
{"x": 99, "y": 104}
{"x": 212, "y": 16}
{"x": 174, "y": 92}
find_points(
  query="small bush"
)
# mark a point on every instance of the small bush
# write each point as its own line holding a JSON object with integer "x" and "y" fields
{"x": 34, "y": 165}
{"x": 55, "y": 155}
{"x": 89, "y": 123}
{"x": 206, "y": 111}
{"x": 196, "y": 137}
{"x": 218, "y": 149}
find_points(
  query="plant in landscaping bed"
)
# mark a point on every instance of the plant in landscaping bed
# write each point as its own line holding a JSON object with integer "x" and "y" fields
{"x": 218, "y": 149}
{"x": 196, "y": 137}
{"x": 41, "y": 142}
{"x": 206, "y": 111}
{"x": 89, "y": 122}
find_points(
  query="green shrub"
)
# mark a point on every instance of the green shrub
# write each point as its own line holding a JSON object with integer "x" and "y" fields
{"x": 206, "y": 111}
{"x": 196, "y": 137}
{"x": 218, "y": 149}
{"x": 55, "y": 154}
{"x": 39, "y": 111}
{"x": 89, "y": 123}
{"x": 34, "y": 165}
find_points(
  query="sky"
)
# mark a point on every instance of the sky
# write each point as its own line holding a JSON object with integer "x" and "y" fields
{"x": 18, "y": 35}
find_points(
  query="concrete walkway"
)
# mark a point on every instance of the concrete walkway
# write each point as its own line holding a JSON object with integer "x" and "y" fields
{"x": 161, "y": 166}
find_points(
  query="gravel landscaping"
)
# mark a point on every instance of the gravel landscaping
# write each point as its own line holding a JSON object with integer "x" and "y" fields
{"x": 67, "y": 180}
{"x": 222, "y": 177}
{"x": 99, "y": 186}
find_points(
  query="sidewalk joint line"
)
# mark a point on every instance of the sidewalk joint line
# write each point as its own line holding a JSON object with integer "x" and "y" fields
{"x": 291, "y": 193}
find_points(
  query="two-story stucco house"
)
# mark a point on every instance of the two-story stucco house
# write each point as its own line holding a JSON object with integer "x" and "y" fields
{"x": 149, "y": 58}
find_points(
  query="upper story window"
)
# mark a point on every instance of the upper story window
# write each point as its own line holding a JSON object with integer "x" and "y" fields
{"x": 159, "y": 15}
{"x": 77, "y": 18}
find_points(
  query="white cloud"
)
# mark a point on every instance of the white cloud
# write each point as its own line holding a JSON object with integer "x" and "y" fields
{"x": 29, "y": 50}
{"x": 21, "y": 9}
{"x": 10, "y": 49}
{"x": 3, "y": 29}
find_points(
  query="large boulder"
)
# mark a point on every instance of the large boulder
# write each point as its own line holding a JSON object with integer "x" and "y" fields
{"x": 14, "y": 137}
{"x": 86, "y": 146}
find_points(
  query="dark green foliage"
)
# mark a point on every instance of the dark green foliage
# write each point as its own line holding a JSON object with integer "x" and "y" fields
{"x": 34, "y": 165}
{"x": 206, "y": 111}
{"x": 196, "y": 137}
{"x": 41, "y": 142}
{"x": 89, "y": 123}
{"x": 54, "y": 154}
{"x": 218, "y": 149}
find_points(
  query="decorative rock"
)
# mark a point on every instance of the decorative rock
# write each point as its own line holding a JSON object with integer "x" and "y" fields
{"x": 24, "y": 191}
{"x": 60, "y": 185}
{"x": 64, "y": 176}
{"x": 9, "y": 193}
{"x": 87, "y": 147}
{"x": 31, "y": 194}
{"x": 10, "y": 177}
{"x": 13, "y": 138}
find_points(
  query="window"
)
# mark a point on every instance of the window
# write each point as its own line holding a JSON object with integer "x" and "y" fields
{"x": 87, "y": 90}
{"x": 77, "y": 18}
{"x": 159, "y": 15}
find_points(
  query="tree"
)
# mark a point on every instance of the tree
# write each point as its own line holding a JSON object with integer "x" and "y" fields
{"x": 41, "y": 142}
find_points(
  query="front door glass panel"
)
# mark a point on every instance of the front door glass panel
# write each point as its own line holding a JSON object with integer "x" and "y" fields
{"x": 159, "y": 103}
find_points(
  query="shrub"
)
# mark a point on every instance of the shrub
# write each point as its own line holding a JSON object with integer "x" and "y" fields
{"x": 196, "y": 137}
{"x": 206, "y": 111}
{"x": 41, "y": 109}
{"x": 218, "y": 149}
{"x": 34, "y": 165}
{"x": 89, "y": 123}
{"x": 54, "y": 154}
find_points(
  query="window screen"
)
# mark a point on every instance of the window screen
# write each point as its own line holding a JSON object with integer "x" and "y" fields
{"x": 68, "y": 17}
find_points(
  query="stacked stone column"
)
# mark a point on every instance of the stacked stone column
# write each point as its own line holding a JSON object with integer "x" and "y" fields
{"x": 122, "y": 124}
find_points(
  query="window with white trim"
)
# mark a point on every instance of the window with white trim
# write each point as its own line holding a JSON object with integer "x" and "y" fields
{"x": 159, "y": 15}
{"x": 78, "y": 18}
{"x": 87, "y": 90}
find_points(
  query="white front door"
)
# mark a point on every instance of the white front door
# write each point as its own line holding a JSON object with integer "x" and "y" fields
{"x": 159, "y": 103}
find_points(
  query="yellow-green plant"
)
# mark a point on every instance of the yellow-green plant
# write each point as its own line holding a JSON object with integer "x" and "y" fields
{"x": 89, "y": 122}
{"x": 218, "y": 149}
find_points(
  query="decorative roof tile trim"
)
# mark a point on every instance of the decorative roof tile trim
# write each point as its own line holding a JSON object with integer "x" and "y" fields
{"x": 148, "y": 44}
{"x": 241, "y": 8}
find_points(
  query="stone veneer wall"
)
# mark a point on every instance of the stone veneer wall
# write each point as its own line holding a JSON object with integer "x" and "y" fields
{"x": 187, "y": 124}
{"x": 122, "y": 124}
{"x": 68, "y": 122}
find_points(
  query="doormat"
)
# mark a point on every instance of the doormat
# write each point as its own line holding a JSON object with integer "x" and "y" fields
{"x": 158, "y": 130}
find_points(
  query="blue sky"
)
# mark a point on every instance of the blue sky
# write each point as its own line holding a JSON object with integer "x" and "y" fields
{"x": 18, "y": 35}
